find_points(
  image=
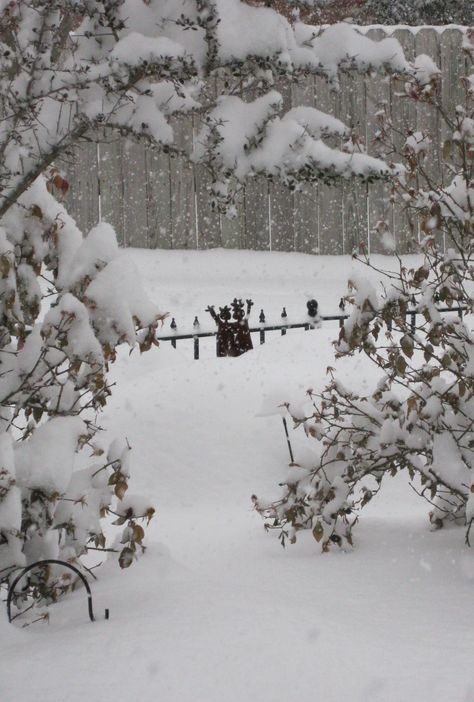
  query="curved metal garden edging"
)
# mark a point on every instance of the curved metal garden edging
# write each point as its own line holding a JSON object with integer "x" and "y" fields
{"x": 48, "y": 561}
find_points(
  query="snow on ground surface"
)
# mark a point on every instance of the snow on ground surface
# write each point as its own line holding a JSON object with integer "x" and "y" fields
{"x": 217, "y": 611}
{"x": 184, "y": 283}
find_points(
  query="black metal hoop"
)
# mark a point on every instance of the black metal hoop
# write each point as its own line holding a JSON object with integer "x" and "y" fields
{"x": 23, "y": 572}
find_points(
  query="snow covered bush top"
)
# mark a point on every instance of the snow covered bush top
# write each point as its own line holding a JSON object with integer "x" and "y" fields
{"x": 69, "y": 66}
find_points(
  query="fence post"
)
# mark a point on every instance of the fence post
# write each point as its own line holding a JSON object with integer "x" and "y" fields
{"x": 261, "y": 319}
{"x": 173, "y": 326}
{"x": 196, "y": 338}
{"x": 342, "y": 307}
{"x": 284, "y": 317}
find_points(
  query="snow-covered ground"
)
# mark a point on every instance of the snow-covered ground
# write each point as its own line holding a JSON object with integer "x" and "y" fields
{"x": 217, "y": 611}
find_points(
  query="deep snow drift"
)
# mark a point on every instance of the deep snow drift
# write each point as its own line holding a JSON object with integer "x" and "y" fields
{"x": 216, "y": 610}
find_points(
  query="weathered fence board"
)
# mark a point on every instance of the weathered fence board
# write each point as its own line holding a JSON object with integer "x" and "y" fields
{"x": 183, "y": 205}
{"x": 378, "y": 98}
{"x": 330, "y": 197}
{"x": 231, "y": 234}
{"x": 282, "y": 205}
{"x": 158, "y": 200}
{"x": 282, "y": 221}
{"x": 453, "y": 67}
{"x": 159, "y": 188}
{"x": 404, "y": 116}
{"x": 83, "y": 198}
{"x": 135, "y": 206}
{"x": 208, "y": 223}
{"x": 428, "y": 118}
{"x": 305, "y": 199}
{"x": 207, "y": 220}
{"x": 111, "y": 183}
{"x": 233, "y": 228}
{"x": 257, "y": 215}
{"x": 354, "y": 194}
{"x": 306, "y": 228}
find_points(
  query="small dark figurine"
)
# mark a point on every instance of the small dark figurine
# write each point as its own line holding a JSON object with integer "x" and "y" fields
{"x": 233, "y": 338}
{"x": 313, "y": 313}
{"x": 225, "y": 341}
{"x": 243, "y": 340}
{"x": 312, "y": 306}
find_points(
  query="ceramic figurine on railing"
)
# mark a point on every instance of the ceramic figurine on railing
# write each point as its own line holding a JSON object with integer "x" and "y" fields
{"x": 243, "y": 340}
{"x": 313, "y": 313}
{"x": 225, "y": 341}
{"x": 233, "y": 338}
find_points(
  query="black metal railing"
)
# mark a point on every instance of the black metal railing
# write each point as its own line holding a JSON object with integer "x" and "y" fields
{"x": 313, "y": 321}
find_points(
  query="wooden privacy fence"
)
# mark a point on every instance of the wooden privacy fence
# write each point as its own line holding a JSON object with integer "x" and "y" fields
{"x": 157, "y": 201}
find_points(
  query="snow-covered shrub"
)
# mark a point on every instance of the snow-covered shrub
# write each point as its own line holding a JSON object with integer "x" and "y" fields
{"x": 67, "y": 301}
{"x": 420, "y": 414}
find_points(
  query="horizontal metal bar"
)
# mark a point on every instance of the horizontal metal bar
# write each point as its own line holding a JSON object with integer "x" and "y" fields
{"x": 298, "y": 325}
{"x": 186, "y": 336}
{"x": 201, "y": 335}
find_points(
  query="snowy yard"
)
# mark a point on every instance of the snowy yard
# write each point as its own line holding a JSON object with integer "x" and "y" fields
{"x": 217, "y": 611}
{"x": 312, "y": 134}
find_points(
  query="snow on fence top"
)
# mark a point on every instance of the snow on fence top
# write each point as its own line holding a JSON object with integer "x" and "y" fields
{"x": 154, "y": 199}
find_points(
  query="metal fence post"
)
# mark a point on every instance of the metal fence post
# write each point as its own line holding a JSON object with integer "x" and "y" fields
{"x": 173, "y": 326}
{"x": 196, "y": 338}
{"x": 261, "y": 319}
